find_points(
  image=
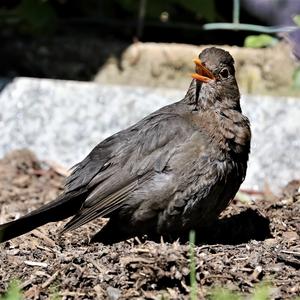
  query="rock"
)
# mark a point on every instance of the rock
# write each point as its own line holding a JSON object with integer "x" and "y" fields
{"x": 166, "y": 65}
{"x": 113, "y": 293}
{"x": 63, "y": 120}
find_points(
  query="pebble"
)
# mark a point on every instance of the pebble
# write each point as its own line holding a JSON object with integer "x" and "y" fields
{"x": 113, "y": 293}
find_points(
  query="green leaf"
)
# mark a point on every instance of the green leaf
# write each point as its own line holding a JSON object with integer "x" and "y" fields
{"x": 261, "y": 293}
{"x": 243, "y": 197}
{"x": 259, "y": 41}
{"x": 296, "y": 79}
{"x": 13, "y": 292}
{"x": 37, "y": 15}
{"x": 296, "y": 19}
{"x": 205, "y": 8}
{"x": 224, "y": 294}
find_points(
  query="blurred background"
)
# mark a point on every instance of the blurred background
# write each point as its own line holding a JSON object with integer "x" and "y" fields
{"x": 126, "y": 58}
{"x": 75, "y": 39}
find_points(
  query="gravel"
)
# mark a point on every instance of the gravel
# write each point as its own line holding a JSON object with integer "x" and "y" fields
{"x": 63, "y": 120}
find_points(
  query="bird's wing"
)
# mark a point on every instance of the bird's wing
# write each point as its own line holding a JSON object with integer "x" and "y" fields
{"x": 118, "y": 165}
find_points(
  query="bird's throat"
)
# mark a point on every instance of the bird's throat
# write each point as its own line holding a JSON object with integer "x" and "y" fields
{"x": 197, "y": 93}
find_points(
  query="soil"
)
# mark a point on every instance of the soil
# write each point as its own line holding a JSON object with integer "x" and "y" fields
{"x": 253, "y": 242}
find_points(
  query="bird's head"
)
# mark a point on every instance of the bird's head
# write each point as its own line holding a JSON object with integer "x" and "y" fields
{"x": 214, "y": 78}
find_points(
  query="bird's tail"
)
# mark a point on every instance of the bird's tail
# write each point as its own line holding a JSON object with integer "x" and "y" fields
{"x": 56, "y": 210}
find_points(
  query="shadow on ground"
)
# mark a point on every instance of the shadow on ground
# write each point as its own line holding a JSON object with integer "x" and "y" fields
{"x": 237, "y": 229}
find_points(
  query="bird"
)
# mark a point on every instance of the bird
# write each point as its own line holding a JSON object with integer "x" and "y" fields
{"x": 173, "y": 171}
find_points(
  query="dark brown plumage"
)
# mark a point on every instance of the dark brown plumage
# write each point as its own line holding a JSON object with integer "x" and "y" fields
{"x": 173, "y": 171}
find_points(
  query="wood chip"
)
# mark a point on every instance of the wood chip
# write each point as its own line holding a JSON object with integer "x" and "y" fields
{"x": 35, "y": 264}
{"x": 49, "y": 242}
{"x": 50, "y": 280}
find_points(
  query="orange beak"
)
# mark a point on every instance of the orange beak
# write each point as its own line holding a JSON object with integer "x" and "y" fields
{"x": 202, "y": 74}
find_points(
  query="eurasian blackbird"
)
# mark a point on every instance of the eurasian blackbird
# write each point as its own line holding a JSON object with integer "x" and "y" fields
{"x": 173, "y": 171}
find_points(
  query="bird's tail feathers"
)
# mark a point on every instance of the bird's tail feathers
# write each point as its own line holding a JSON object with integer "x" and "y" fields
{"x": 56, "y": 210}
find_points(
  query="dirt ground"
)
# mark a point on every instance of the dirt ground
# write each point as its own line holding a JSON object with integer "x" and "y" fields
{"x": 252, "y": 243}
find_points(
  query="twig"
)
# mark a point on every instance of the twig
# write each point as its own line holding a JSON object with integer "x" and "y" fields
{"x": 50, "y": 280}
{"x": 96, "y": 265}
{"x": 290, "y": 252}
{"x": 252, "y": 192}
{"x": 49, "y": 242}
{"x": 26, "y": 283}
{"x": 35, "y": 263}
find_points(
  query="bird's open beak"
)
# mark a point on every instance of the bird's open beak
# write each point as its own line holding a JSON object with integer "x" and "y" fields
{"x": 202, "y": 74}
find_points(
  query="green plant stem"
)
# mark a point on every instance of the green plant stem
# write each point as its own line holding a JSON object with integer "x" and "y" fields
{"x": 248, "y": 27}
{"x": 193, "y": 281}
{"x": 236, "y": 11}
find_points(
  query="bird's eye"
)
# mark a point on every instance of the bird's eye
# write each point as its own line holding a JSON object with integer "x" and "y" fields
{"x": 224, "y": 73}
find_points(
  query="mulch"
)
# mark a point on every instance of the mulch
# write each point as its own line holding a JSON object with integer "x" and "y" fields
{"x": 254, "y": 242}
